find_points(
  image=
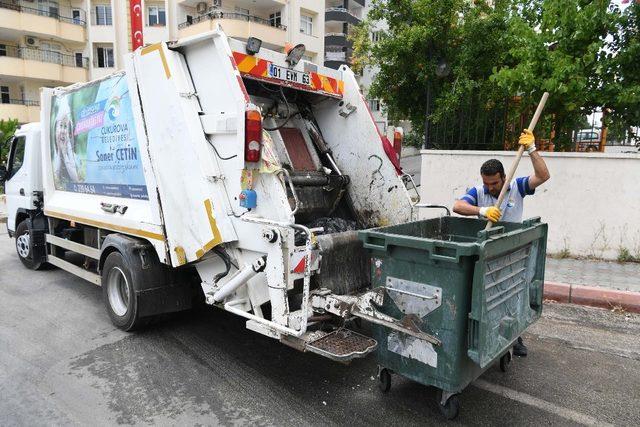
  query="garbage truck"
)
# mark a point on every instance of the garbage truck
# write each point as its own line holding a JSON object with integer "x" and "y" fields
{"x": 212, "y": 170}
{"x": 210, "y": 160}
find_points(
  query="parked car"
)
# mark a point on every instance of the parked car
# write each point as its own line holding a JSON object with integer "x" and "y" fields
{"x": 587, "y": 140}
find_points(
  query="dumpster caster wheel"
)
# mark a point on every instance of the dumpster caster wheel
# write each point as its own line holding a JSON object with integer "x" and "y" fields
{"x": 384, "y": 380}
{"x": 505, "y": 361}
{"x": 451, "y": 405}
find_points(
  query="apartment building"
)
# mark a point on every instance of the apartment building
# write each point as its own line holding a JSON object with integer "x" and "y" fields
{"x": 54, "y": 43}
{"x": 340, "y": 17}
{"x": 275, "y": 22}
{"x": 378, "y": 31}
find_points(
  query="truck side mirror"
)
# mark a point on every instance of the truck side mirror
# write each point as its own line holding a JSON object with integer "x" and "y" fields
{"x": 3, "y": 173}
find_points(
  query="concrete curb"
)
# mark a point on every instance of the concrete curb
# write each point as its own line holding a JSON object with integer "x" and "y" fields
{"x": 593, "y": 296}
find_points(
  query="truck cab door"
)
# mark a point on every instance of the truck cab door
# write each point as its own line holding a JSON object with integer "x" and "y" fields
{"x": 17, "y": 188}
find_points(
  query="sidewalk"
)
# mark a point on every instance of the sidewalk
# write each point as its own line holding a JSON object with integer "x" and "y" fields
{"x": 608, "y": 274}
{"x": 605, "y": 284}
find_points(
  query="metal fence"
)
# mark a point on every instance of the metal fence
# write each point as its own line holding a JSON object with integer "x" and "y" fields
{"x": 51, "y": 56}
{"x": 487, "y": 124}
{"x": 219, "y": 14}
{"x": 25, "y": 102}
{"x": 50, "y": 12}
{"x": 476, "y": 125}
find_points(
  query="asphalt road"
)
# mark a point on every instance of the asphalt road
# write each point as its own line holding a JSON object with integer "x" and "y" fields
{"x": 62, "y": 362}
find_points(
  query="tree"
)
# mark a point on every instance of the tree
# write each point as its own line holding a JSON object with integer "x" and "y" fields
{"x": 421, "y": 35}
{"x": 584, "y": 52}
{"x": 561, "y": 46}
{"x": 7, "y": 129}
{"x": 624, "y": 86}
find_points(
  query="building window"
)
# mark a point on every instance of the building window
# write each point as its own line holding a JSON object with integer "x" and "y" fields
{"x": 48, "y": 8}
{"x": 275, "y": 19}
{"x": 157, "y": 16}
{"x": 374, "y": 104}
{"x": 3, "y": 50}
{"x": 75, "y": 14}
{"x": 79, "y": 59}
{"x": 50, "y": 52}
{"x": 104, "y": 57}
{"x": 4, "y": 94}
{"x": 376, "y": 36}
{"x": 306, "y": 24}
{"x": 103, "y": 15}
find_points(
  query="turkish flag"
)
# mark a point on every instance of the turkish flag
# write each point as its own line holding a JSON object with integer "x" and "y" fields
{"x": 135, "y": 9}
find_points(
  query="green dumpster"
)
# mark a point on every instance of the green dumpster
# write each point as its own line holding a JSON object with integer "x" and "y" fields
{"x": 473, "y": 291}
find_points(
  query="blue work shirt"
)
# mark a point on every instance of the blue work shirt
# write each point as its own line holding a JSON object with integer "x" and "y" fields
{"x": 512, "y": 204}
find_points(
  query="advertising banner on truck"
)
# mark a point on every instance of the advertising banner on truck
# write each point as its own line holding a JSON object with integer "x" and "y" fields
{"x": 94, "y": 149}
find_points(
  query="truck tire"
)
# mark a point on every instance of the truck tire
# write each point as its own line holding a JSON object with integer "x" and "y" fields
{"x": 119, "y": 293}
{"x": 24, "y": 247}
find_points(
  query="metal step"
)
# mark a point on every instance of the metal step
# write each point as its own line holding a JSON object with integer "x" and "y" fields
{"x": 342, "y": 345}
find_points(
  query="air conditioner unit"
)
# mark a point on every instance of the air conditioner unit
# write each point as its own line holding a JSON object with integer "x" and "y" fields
{"x": 30, "y": 41}
{"x": 202, "y": 7}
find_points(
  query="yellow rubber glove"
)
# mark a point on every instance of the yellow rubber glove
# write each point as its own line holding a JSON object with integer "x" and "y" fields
{"x": 528, "y": 141}
{"x": 491, "y": 213}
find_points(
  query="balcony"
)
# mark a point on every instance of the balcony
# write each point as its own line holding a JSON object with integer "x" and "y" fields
{"x": 335, "y": 56}
{"x": 193, "y": 3}
{"x": 334, "y": 59}
{"x": 237, "y": 25}
{"x": 23, "y": 110}
{"x": 34, "y": 63}
{"x": 336, "y": 39}
{"x": 340, "y": 14}
{"x": 44, "y": 23}
{"x": 347, "y": 4}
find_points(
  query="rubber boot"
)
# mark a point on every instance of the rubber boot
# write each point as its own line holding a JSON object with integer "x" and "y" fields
{"x": 519, "y": 349}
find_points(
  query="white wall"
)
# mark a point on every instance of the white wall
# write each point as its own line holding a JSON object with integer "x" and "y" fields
{"x": 591, "y": 203}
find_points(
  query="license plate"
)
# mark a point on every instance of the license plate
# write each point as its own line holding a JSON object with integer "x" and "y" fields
{"x": 282, "y": 73}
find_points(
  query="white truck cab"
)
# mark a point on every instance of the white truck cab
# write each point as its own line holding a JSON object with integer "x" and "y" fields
{"x": 23, "y": 186}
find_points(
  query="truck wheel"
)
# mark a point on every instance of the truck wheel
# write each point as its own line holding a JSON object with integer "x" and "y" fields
{"x": 119, "y": 294}
{"x": 23, "y": 246}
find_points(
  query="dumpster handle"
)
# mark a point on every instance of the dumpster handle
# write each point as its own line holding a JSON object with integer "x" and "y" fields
{"x": 369, "y": 245}
{"x": 444, "y": 257}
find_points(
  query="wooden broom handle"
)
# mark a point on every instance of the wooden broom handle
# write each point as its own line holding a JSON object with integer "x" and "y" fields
{"x": 514, "y": 166}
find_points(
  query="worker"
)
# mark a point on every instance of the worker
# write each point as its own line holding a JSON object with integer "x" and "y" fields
{"x": 481, "y": 200}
